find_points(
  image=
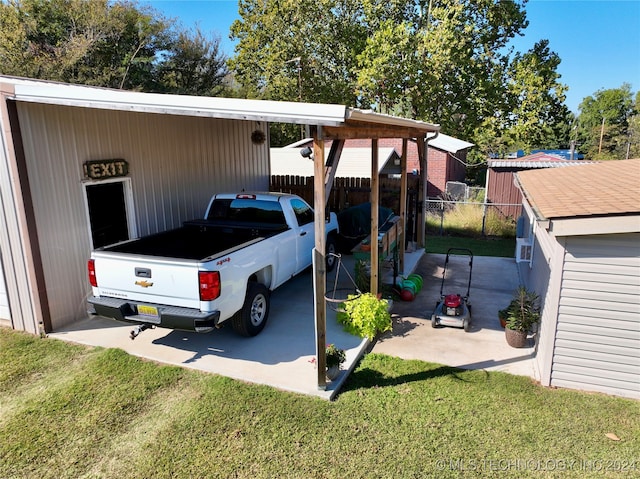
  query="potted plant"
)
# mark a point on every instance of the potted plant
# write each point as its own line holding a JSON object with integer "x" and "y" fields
{"x": 365, "y": 315}
{"x": 502, "y": 317}
{"x": 335, "y": 356}
{"x": 504, "y": 313}
{"x": 522, "y": 314}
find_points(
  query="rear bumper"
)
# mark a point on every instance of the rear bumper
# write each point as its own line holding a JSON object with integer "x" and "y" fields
{"x": 170, "y": 317}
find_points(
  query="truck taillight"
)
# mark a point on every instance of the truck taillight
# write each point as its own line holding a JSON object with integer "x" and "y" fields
{"x": 209, "y": 285}
{"x": 91, "y": 266}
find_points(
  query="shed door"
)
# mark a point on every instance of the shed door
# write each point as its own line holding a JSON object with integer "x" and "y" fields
{"x": 4, "y": 300}
{"x": 109, "y": 212}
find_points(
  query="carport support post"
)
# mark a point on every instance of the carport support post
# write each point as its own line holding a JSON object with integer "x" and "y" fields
{"x": 422, "y": 190}
{"x": 319, "y": 268}
{"x": 403, "y": 203}
{"x": 375, "y": 199}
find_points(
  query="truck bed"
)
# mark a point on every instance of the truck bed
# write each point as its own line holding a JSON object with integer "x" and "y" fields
{"x": 197, "y": 239}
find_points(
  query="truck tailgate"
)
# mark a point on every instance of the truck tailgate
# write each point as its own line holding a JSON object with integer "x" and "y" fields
{"x": 148, "y": 279}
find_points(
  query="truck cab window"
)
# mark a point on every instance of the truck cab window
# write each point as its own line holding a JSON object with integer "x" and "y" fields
{"x": 247, "y": 211}
{"x": 303, "y": 212}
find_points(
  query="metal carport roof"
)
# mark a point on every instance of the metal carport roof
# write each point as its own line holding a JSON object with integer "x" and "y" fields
{"x": 324, "y": 114}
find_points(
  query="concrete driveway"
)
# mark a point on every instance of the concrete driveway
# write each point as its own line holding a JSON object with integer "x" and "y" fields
{"x": 283, "y": 355}
{"x": 493, "y": 282}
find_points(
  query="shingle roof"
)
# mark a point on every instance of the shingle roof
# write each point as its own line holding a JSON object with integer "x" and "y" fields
{"x": 599, "y": 189}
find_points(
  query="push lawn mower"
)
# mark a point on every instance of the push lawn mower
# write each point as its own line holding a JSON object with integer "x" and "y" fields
{"x": 453, "y": 309}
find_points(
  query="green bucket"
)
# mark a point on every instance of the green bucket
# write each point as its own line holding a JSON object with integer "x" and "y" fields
{"x": 417, "y": 280}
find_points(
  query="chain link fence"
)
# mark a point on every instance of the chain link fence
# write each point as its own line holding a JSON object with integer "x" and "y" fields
{"x": 469, "y": 218}
{"x": 457, "y": 191}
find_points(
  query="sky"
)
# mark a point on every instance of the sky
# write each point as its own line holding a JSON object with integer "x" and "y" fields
{"x": 598, "y": 41}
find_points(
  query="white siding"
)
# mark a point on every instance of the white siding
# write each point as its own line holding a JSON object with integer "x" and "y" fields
{"x": 175, "y": 164}
{"x": 544, "y": 278}
{"x": 597, "y": 344}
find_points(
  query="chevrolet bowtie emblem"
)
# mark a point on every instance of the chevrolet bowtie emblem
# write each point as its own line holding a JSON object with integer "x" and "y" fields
{"x": 143, "y": 283}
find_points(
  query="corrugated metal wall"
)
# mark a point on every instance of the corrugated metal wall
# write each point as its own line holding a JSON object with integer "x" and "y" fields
{"x": 597, "y": 344}
{"x": 501, "y": 190}
{"x": 18, "y": 273}
{"x": 175, "y": 164}
{"x": 4, "y": 300}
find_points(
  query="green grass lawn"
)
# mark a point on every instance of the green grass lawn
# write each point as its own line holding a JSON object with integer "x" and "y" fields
{"x": 68, "y": 411}
{"x": 500, "y": 247}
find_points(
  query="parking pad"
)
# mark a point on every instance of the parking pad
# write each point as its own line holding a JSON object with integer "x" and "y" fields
{"x": 283, "y": 354}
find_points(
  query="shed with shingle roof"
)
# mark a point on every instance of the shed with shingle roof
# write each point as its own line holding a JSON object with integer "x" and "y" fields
{"x": 581, "y": 254}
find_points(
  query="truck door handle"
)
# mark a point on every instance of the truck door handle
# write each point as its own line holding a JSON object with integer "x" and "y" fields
{"x": 143, "y": 272}
{"x": 303, "y": 233}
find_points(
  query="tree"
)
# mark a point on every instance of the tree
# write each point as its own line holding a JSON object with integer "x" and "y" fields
{"x": 633, "y": 147}
{"x": 194, "y": 65}
{"x": 101, "y": 42}
{"x": 297, "y": 51}
{"x": 448, "y": 66}
{"x": 434, "y": 60}
{"x": 603, "y": 123}
{"x": 283, "y": 54}
{"x": 80, "y": 41}
{"x": 533, "y": 113}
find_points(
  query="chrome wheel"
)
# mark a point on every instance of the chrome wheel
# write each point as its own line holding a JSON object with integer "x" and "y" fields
{"x": 258, "y": 309}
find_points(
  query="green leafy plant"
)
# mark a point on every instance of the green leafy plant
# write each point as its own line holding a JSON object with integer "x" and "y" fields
{"x": 364, "y": 315}
{"x": 363, "y": 275}
{"x": 335, "y": 355}
{"x": 523, "y": 310}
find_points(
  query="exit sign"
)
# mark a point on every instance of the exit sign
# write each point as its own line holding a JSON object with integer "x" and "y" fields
{"x": 101, "y": 169}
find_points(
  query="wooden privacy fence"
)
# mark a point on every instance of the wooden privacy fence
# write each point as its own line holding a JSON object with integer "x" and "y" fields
{"x": 348, "y": 192}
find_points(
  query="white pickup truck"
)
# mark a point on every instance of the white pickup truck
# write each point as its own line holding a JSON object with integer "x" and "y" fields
{"x": 219, "y": 268}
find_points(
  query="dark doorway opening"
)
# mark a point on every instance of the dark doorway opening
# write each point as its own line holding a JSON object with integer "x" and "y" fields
{"x": 107, "y": 213}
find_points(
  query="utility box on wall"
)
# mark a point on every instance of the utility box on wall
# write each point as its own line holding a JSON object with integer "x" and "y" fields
{"x": 524, "y": 250}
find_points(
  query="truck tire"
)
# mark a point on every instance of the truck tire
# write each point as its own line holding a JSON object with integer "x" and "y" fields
{"x": 330, "y": 250}
{"x": 251, "y": 319}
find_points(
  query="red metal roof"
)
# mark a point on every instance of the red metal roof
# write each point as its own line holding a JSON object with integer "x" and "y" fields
{"x": 535, "y": 160}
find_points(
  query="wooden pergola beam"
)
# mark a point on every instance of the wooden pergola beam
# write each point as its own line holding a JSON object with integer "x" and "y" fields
{"x": 366, "y": 132}
{"x": 331, "y": 165}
